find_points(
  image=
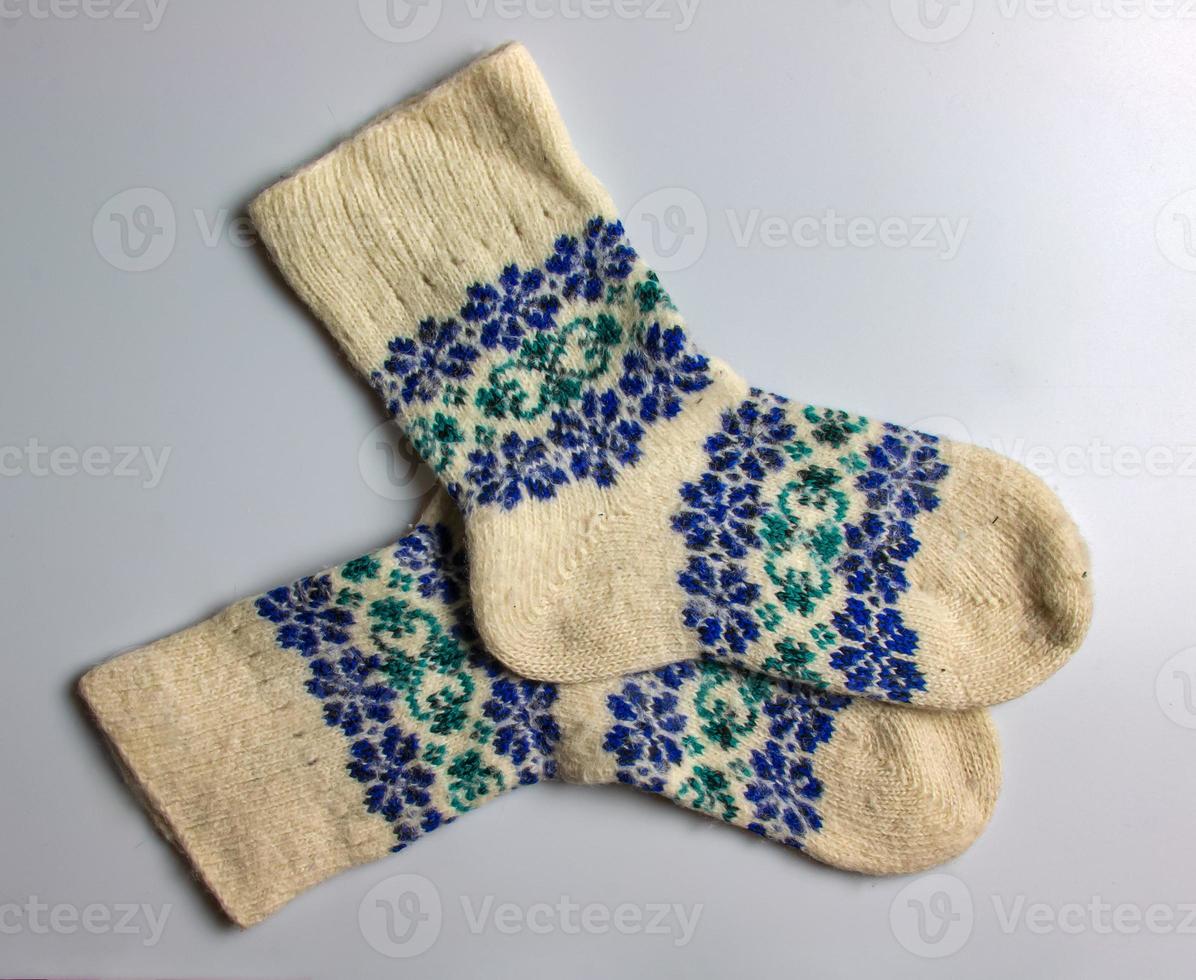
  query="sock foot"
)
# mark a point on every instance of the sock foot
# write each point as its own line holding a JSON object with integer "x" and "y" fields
{"x": 807, "y": 544}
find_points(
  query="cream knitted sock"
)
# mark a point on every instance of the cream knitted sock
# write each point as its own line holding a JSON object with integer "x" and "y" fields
{"x": 629, "y": 501}
{"x": 329, "y": 722}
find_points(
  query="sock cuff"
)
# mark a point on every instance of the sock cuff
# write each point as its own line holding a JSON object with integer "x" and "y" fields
{"x": 441, "y": 192}
{"x": 213, "y": 729}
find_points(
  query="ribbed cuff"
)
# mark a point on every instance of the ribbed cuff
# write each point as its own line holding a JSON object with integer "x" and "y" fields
{"x": 442, "y": 192}
{"x": 214, "y": 729}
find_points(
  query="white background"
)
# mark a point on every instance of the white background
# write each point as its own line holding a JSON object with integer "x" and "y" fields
{"x": 1061, "y": 136}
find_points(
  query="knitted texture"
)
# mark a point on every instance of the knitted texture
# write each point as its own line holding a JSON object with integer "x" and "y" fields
{"x": 630, "y": 501}
{"x": 330, "y": 721}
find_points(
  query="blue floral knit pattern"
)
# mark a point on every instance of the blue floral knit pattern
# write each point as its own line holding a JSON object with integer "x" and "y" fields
{"x": 546, "y": 376}
{"x": 729, "y": 743}
{"x": 434, "y": 725}
{"x": 764, "y": 495}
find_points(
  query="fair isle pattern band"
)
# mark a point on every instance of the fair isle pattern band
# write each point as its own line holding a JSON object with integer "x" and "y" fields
{"x": 763, "y": 494}
{"x": 545, "y": 377}
{"x": 434, "y": 726}
{"x": 746, "y": 744}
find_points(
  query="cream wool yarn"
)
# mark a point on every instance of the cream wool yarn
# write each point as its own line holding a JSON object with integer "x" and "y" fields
{"x": 329, "y": 722}
{"x": 630, "y": 501}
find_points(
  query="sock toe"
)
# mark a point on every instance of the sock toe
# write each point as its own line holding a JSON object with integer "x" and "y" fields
{"x": 1000, "y": 592}
{"x": 905, "y": 790}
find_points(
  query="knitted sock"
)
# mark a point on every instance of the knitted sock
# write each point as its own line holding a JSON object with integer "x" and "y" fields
{"x": 630, "y": 501}
{"x": 329, "y": 722}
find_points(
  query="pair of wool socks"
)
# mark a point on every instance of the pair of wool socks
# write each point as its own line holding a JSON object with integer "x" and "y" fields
{"x": 629, "y": 501}
{"x": 651, "y": 574}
